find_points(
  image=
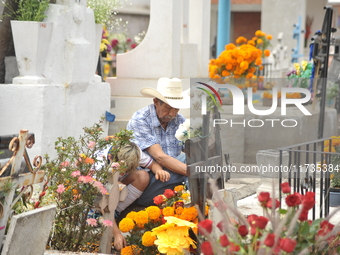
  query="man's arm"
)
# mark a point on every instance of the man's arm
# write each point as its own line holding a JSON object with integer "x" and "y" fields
{"x": 160, "y": 174}
{"x": 167, "y": 161}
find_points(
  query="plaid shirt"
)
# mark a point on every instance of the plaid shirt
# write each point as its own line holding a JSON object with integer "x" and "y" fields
{"x": 147, "y": 131}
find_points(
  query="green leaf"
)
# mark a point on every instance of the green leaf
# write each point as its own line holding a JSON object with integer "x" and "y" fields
{"x": 283, "y": 211}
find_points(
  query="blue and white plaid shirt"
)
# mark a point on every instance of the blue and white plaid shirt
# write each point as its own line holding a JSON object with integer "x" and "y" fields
{"x": 147, "y": 131}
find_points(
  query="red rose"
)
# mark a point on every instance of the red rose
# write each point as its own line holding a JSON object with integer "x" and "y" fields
{"x": 169, "y": 193}
{"x": 261, "y": 222}
{"x": 325, "y": 228}
{"x": 269, "y": 241}
{"x": 304, "y": 215}
{"x": 206, "y": 225}
{"x": 287, "y": 245}
{"x": 242, "y": 230}
{"x": 252, "y": 219}
{"x": 158, "y": 200}
{"x": 224, "y": 240}
{"x": 285, "y": 187}
{"x": 233, "y": 247}
{"x": 270, "y": 203}
{"x": 263, "y": 197}
{"x": 253, "y": 230}
{"x": 308, "y": 201}
{"x": 293, "y": 199}
{"x": 221, "y": 226}
{"x": 206, "y": 248}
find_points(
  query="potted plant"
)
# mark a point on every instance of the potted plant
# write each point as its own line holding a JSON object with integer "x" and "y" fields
{"x": 31, "y": 38}
{"x": 332, "y": 91}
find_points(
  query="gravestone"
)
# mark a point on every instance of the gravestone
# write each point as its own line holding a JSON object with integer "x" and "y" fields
{"x": 175, "y": 45}
{"x": 29, "y": 232}
{"x": 74, "y": 98}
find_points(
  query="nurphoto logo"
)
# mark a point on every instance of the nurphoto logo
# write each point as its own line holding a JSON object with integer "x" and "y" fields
{"x": 238, "y": 99}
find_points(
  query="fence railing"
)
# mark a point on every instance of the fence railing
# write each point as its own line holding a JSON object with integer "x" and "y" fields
{"x": 311, "y": 166}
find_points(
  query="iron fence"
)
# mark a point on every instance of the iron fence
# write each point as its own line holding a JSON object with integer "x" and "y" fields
{"x": 311, "y": 166}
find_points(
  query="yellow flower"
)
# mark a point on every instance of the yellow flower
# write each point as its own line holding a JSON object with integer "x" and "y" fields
{"x": 148, "y": 238}
{"x": 141, "y": 218}
{"x": 173, "y": 236}
{"x": 179, "y": 188}
{"x": 126, "y": 224}
{"x": 179, "y": 222}
{"x": 131, "y": 215}
{"x": 154, "y": 212}
{"x": 168, "y": 211}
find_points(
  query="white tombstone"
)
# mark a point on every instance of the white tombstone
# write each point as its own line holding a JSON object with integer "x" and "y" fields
{"x": 74, "y": 98}
{"x": 176, "y": 45}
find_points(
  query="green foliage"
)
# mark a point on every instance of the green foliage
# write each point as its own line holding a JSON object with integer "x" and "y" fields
{"x": 29, "y": 10}
{"x": 104, "y": 11}
{"x": 75, "y": 182}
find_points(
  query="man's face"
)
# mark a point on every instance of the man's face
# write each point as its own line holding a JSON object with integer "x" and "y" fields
{"x": 165, "y": 112}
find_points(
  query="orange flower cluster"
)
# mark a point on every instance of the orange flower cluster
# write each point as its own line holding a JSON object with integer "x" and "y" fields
{"x": 241, "y": 60}
{"x": 269, "y": 95}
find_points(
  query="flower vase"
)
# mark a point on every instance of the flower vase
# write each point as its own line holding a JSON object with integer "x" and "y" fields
{"x": 31, "y": 44}
{"x": 97, "y": 41}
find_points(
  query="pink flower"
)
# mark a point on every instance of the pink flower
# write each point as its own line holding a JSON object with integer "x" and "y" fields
{"x": 75, "y": 173}
{"x": 115, "y": 165}
{"x": 61, "y": 188}
{"x": 65, "y": 163}
{"x": 134, "y": 45}
{"x": 85, "y": 179}
{"x": 92, "y": 222}
{"x": 107, "y": 223}
{"x": 91, "y": 144}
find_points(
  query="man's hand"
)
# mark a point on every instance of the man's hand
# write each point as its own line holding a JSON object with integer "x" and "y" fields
{"x": 162, "y": 175}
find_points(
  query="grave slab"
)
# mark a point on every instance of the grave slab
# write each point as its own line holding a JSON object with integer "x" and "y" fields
{"x": 29, "y": 231}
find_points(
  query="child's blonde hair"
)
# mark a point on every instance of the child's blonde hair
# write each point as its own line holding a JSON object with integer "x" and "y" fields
{"x": 130, "y": 153}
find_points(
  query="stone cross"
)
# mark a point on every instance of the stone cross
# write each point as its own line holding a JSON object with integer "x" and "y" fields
{"x": 107, "y": 204}
{"x": 280, "y": 54}
{"x": 16, "y": 179}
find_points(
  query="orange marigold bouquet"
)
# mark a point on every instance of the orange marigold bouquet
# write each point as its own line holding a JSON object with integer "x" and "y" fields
{"x": 167, "y": 228}
{"x": 241, "y": 60}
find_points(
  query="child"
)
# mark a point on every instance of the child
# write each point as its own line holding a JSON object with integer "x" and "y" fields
{"x": 135, "y": 180}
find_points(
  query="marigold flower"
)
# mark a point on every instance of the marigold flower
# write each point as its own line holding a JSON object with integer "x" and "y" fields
{"x": 130, "y": 250}
{"x": 189, "y": 214}
{"x": 168, "y": 211}
{"x": 148, "y": 239}
{"x": 269, "y": 37}
{"x": 179, "y": 188}
{"x": 131, "y": 215}
{"x": 154, "y": 212}
{"x": 141, "y": 218}
{"x": 266, "y": 53}
{"x": 179, "y": 210}
{"x": 126, "y": 225}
